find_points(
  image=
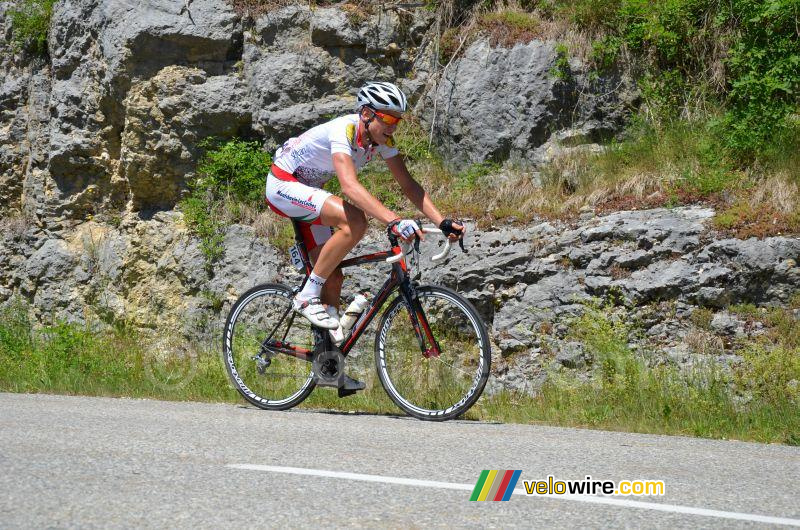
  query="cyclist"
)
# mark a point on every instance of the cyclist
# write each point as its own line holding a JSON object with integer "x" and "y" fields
{"x": 339, "y": 148}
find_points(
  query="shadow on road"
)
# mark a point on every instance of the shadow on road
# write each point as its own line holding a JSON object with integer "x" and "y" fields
{"x": 334, "y": 412}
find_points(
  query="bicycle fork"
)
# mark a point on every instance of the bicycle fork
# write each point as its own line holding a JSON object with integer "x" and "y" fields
{"x": 419, "y": 321}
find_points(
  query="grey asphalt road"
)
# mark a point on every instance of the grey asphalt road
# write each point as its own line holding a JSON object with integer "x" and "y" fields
{"x": 98, "y": 462}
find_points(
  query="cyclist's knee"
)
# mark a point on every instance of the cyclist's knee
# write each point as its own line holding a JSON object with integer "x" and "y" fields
{"x": 345, "y": 217}
{"x": 357, "y": 223}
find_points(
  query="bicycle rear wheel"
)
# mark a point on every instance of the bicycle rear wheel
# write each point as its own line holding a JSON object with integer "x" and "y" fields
{"x": 426, "y": 384}
{"x": 267, "y": 349}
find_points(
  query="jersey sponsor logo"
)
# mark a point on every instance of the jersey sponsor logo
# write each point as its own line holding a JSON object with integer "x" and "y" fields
{"x": 351, "y": 134}
{"x": 307, "y": 205}
{"x": 300, "y": 154}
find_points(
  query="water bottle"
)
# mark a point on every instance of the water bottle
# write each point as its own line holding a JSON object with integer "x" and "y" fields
{"x": 353, "y": 311}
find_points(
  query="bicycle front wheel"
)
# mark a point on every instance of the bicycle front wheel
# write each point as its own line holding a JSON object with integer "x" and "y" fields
{"x": 442, "y": 378}
{"x": 267, "y": 348}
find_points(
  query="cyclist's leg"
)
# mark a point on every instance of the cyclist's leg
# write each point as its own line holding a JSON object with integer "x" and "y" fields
{"x": 352, "y": 225}
{"x": 318, "y": 210}
{"x": 332, "y": 290}
{"x": 304, "y": 204}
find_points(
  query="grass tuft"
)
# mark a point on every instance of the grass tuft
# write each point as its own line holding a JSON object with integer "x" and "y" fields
{"x": 30, "y": 24}
{"x": 759, "y": 400}
{"x": 628, "y": 394}
{"x": 229, "y": 188}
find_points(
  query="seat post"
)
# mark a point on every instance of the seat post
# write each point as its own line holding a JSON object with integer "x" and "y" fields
{"x": 301, "y": 245}
{"x": 298, "y": 236}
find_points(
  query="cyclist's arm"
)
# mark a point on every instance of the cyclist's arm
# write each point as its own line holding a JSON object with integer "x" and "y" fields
{"x": 358, "y": 194}
{"x": 411, "y": 188}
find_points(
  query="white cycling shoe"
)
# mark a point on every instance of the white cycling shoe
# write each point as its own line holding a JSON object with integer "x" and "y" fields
{"x": 337, "y": 335}
{"x": 315, "y": 312}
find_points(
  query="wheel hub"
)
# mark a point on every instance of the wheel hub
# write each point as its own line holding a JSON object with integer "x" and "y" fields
{"x": 261, "y": 363}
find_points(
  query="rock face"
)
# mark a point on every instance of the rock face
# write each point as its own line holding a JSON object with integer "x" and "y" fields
{"x": 501, "y": 104}
{"x": 112, "y": 121}
{"x": 302, "y": 65}
{"x": 112, "y": 118}
{"x": 98, "y": 141}
{"x": 166, "y": 118}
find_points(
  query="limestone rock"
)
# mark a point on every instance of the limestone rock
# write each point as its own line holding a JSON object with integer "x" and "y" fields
{"x": 167, "y": 117}
{"x": 500, "y": 104}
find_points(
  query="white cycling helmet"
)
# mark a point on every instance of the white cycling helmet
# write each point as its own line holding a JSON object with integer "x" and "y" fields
{"x": 382, "y": 96}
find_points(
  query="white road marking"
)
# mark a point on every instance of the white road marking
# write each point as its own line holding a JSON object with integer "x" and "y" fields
{"x": 610, "y": 501}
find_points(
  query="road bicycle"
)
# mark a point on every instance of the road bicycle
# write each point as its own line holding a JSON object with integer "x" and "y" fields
{"x": 432, "y": 351}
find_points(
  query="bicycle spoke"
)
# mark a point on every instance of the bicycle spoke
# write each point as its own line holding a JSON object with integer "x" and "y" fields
{"x": 433, "y": 386}
{"x": 263, "y": 374}
{"x": 453, "y": 367}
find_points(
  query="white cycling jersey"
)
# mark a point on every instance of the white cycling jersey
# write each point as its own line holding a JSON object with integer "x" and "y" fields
{"x": 309, "y": 157}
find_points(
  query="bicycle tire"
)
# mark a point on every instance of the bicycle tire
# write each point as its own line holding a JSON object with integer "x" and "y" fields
{"x": 396, "y": 345}
{"x": 246, "y": 329}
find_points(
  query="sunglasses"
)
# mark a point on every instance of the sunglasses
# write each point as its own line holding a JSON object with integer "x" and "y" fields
{"x": 388, "y": 119}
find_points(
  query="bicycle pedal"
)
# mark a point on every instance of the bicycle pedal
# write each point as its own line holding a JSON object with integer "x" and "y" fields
{"x": 344, "y": 392}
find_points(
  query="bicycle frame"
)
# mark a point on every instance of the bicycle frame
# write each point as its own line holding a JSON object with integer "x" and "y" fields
{"x": 398, "y": 279}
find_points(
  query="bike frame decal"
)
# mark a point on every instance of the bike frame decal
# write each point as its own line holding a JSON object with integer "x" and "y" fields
{"x": 366, "y": 258}
{"x": 295, "y": 351}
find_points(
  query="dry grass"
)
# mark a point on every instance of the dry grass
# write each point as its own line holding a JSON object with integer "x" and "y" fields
{"x": 254, "y": 8}
{"x": 356, "y": 9}
{"x": 704, "y": 342}
{"x": 777, "y": 191}
{"x": 267, "y": 224}
{"x": 507, "y": 24}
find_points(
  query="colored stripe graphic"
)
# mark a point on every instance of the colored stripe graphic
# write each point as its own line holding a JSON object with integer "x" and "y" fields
{"x": 498, "y": 496}
{"x": 512, "y": 484}
{"x": 487, "y": 485}
{"x": 479, "y": 486}
{"x": 495, "y": 485}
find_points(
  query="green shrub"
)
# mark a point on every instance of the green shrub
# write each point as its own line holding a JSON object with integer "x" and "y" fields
{"x": 236, "y": 168}
{"x": 561, "y": 69}
{"x": 230, "y": 173}
{"x": 604, "y": 52}
{"x": 764, "y": 63}
{"x": 754, "y": 43}
{"x": 772, "y": 374}
{"x": 30, "y": 23}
